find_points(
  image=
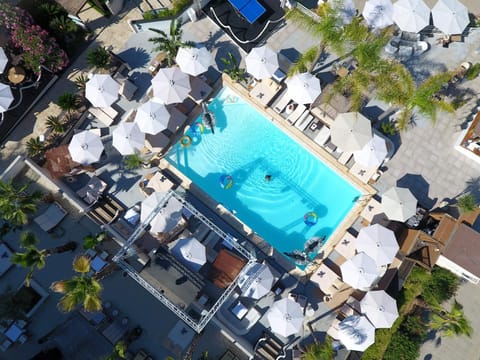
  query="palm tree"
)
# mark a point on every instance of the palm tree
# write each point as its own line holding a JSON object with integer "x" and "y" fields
{"x": 306, "y": 61}
{"x": 99, "y": 57}
{"x": 467, "y": 203}
{"x": 132, "y": 162}
{"x": 81, "y": 83}
{"x": 170, "y": 43}
{"x": 35, "y": 147}
{"x": 16, "y": 203}
{"x": 55, "y": 124}
{"x": 34, "y": 258}
{"x": 119, "y": 351}
{"x": 68, "y": 102}
{"x": 80, "y": 289}
{"x": 451, "y": 323}
{"x": 233, "y": 69}
{"x": 91, "y": 241}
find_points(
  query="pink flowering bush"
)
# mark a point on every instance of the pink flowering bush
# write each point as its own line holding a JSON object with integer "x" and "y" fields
{"x": 32, "y": 42}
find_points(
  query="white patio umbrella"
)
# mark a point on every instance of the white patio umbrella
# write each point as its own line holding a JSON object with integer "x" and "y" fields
{"x": 85, "y": 147}
{"x": 167, "y": 217}
{"x": 399, "y": 204}
{"x": 3, "y": 60}
{"x": 261, "y": 283}
{"x": 127, "y": 138}
{"x": 351, "y": 131}
{"x": 346, "y": 10}
{"x": 101, "y": 90}
{"x": 356, "y": 333}
{"x": 380, "y": 308}
{"x": 373, "y": 153}
{"x": 378, "y": 13}
{"x": 261, "y": 62}
{"x": 6, "y": 97}
{"x": 152, "y": 117}
{"x": 285, "y": 317}
{"x": 170, "y": 85}
{"x": 378, "y": 242}
{"x": 360, "y": 272}
{"x": 411, "y": 15}
{"x": 450, "y": 16}
{"x": 194, "y": 61}
{"x": 303, "y": 88}
{"x": 191, "y": 251}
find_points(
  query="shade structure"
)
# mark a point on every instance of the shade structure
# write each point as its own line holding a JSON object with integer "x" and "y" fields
{"x": 373, "y": 153}
{"x": 399, "y": 204}
{"x": 356, "y": 333}
{"x": 127, "y": 138}
{"x": 85, "y": 147}
{"x": 3, "y": 60}
{"x": 257, "y": 281}
{"x": 351, "y": 131}
{"x": 303, "y": 88}
{"x": 285, "y": 317}
{"x": 380, "y": 308}
{"x": 378, "y": 13}
{"x": 450, "y": 16}
{"x": 101, "y": 90}
{"x": 152, "y": 117}
{"x": 411, "y": 15}
{"x": 166, "y": 218}
{"x": 170, "y": 85}
{"x": 191, "y": 252}
{"x": 378, "y": 242}
{"x": 194, "y": 61}
{"x": 6, "y": 97}
{"x": 261, "y": 62}
{"x": 360, "y": 272}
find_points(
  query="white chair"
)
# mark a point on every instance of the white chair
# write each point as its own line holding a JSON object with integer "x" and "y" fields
{"x": 282, "y": 103}
{"x": 304, "y": 120}
{"x": 323, "y": 135}
{"x": 22, "y": 339}
{"x": 295, "y": 115}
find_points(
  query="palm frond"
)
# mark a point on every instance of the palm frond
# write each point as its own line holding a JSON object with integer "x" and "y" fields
{"x": 81, "y": 264}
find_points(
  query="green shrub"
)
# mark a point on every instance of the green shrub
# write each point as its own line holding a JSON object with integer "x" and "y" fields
{"x": 132, "y": 162}
{"x": 415, "y": 327}
{"x": 99, "y": 57}
{"x": 402, "y": 347}
{"x": 388, "y": 128}
{"x": 441, "y": 287}
{"x": 467, "y": 203}
{"x": 473, "y": 72}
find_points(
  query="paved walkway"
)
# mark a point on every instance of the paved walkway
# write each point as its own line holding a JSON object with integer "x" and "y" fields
{"x": 444, "y": 348}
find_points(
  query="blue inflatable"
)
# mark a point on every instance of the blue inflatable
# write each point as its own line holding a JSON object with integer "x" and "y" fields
{"x": 226, "y": 181}
{"x": 310, "y": 218}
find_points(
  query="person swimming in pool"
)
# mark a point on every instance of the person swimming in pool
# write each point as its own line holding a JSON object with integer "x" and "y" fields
{"x": 268, "y": 177}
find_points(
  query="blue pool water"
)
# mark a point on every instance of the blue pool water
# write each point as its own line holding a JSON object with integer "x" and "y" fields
{"x": 247, "y": 146}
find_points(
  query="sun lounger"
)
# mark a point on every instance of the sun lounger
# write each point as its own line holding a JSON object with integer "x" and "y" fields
{"x": 282, "y": 102}
{"x": 322, "y": 136}
{"x": 295, "y": 115}
{"x": 304, "y": 121}
{"x": 346, "y": 155}
{"x": 103, "y": 115}
{"x": 51, "y": 217}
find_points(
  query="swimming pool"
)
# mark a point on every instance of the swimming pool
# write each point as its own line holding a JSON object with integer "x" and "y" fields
{"x": 232, "y": 165}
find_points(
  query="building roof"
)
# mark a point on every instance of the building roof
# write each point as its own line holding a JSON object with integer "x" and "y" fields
{"x": 225, "y": 268}
{"x": 73, "y": 7}
{"x": 463, "y": 248}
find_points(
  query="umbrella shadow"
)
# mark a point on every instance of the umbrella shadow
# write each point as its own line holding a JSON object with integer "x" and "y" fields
{"x": 419, "y": 187}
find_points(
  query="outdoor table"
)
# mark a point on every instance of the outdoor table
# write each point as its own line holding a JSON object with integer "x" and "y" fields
{"x": 97, "y": 263}
{"x": 13, "y": 332}
{"x": 362, "y": 173}
{"x": 372, "y": 209}
{"x": 16, "y": 74}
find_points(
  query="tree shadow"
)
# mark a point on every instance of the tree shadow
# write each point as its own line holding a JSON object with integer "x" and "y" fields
{"x": 135, "y": 57}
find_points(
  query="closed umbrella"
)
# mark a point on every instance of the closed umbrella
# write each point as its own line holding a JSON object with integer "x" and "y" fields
{"x": 85, "y": 147}
{"x": 360, "y": 272}
{"x": 170, "y": 85}
{"x": 378, "y": 13}
{"x": 257, "y": 281}
{"x": 101, "y": 90}
{"x": 6, "y": 97}
{"x": 378, "y": 242}
{"x": 3, "y": 60}
{"x": 303, "y": 88}
{"x": 152, "y": 117}
{"x": 194, "y": 61}
{"x": 450, "y": 16}
{"x": 285, "y": 317}
{"x": 191, "y": 251}
{"x": 399, "y": 204}
{"x": 356, "y": 333}
{"x": 351, "y": 131}
{"x": 127, "y": 138}
{"x": 380, "y": 308}
{"x": 411, "y": 15}
{"x": 261, "y": 62}
{"x": 167, "y": 217}
{"x": 373, "y": 153}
